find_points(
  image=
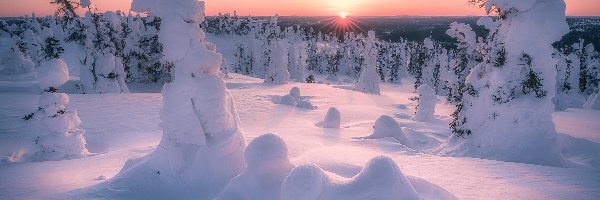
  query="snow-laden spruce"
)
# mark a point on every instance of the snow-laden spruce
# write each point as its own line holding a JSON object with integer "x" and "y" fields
{"x": 380, "y": 179}
{"x": 104, "y": 71}
{"x": 296, "y": 55}
{"x": 368, "y": 82}
{"x": 332, "y": 118}
{"x": 569, "y": 70}
{"x": 426, "y": 106}
{"x": 505, "y": 112}
{"x": 277, "y": 70}
{"x": 202, "y": 146}
{"x": 12, "y": 60}
{"x": 463, "y": 60}
{"x": 267, "y": 166}
{"x": 56, "y": 128}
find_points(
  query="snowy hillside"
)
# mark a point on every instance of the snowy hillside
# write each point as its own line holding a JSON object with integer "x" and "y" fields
{"x": 121, "y": 126}
{"x": 161, "y": 103}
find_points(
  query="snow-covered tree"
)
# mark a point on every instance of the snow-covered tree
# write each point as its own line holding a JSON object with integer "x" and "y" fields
{"x": 463, "y": 60}
{"x": 426, "y": 106}
{"x": 104, "y": 71}
{"x": 568, "y": 75}
{"x": 590, "y": 69}
{"x": 505, "y": 111}
{"x": 12, "y": 60}
{"x": 245, "y": 59}
{"x": 277, "y": 70}
{"x": 144, "y": 52}
{"x": 202, "y": 146}
{"x": 56, "y": 128}
{"x": 368, "y": 81}
{"x": 31, "y": 45}
{"x": 430, "y": 70}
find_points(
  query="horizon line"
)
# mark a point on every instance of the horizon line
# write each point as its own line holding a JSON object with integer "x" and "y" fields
{"x": 336, "y": 15}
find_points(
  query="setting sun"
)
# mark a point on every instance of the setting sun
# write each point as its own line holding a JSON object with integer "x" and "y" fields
{"x": 343, "y": 15}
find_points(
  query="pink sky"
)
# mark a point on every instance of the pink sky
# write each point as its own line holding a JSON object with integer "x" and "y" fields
{"x": 307, "y": 7}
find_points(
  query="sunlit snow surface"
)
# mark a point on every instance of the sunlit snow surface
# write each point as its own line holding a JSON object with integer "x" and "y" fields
{"x": 122, "y": 126}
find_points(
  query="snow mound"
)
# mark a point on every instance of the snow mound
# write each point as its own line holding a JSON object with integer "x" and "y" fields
{"x": 386, "y": 126}
{"x": 332, "y": 118}
{"x": 267, "y": 166}
{"x": 379, "y": 179}
{"x": 53, "y": 74}
{"x": 426, "y": 106}
{"x": 294, "y": 99}
{"x": 295, "y": 92}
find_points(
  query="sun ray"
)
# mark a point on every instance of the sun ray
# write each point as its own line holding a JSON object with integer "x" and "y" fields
{"x": 340, "y": 25}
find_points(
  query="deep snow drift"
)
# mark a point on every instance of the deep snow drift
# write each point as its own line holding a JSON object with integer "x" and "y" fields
{"x": 379, "y": 179}
{"x": 267, "y": 166}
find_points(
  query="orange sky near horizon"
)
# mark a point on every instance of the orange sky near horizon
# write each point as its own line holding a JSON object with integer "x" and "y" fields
{"x": 11, "y": 8}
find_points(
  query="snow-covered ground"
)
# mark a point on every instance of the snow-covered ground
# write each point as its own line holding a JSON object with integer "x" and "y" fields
{"x": 121, "y": 126}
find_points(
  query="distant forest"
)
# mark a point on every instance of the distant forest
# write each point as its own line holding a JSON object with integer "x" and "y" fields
{"x": 419, "y": 28}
